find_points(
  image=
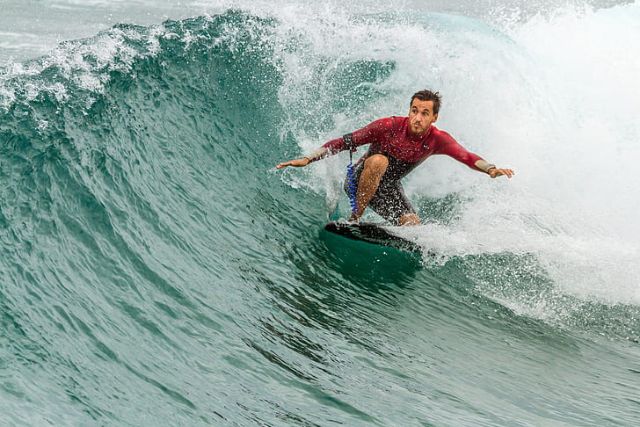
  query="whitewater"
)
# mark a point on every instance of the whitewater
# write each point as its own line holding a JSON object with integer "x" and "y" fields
{"x": 156, "y": 269}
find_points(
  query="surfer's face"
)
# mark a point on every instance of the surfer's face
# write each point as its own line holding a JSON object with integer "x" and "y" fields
{"x": 421, "y": 116}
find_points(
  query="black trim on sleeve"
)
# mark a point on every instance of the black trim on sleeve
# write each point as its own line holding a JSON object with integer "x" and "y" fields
{"x": 348, "y": 142}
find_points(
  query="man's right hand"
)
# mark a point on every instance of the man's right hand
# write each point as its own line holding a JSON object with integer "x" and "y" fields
{"x": 297, "y": 163}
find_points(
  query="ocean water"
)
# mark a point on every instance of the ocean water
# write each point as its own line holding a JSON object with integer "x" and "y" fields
{"x": 156, "y": 270}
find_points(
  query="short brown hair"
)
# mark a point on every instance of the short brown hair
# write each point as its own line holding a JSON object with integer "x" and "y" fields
{"x": 427, "y": 95}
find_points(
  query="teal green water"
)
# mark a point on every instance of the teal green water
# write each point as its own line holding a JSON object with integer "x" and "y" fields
{"x": 156, "y": 270}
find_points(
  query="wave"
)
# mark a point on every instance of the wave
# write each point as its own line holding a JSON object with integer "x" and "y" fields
{"x": 139, "y": 209}
{"x": 142, "y": 140}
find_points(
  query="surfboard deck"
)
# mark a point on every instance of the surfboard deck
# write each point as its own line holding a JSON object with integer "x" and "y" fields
{"x": 373, "y": 233}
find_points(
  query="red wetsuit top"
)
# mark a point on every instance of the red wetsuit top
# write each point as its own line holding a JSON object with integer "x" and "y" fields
{"x": 391, "y": 136}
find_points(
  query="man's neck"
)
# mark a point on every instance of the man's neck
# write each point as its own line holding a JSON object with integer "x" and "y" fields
{"x": 416, "y": 136}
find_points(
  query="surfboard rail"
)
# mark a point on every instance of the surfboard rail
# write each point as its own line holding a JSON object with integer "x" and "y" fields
{"x": 373, "y": 233}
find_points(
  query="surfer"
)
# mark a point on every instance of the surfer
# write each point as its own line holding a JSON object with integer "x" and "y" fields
{"x": 397, "y": 146}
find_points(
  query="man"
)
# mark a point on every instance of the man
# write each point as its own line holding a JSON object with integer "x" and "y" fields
{"x": 397, "y": 146}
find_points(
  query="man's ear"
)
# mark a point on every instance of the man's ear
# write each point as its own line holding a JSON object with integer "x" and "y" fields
{"x": 436, "y": 118}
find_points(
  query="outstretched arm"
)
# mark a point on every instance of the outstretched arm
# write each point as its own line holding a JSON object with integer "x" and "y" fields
{"x": 304, "y": 161}
{"x": 363, "y": 136}
{"x": 450, "y": 147}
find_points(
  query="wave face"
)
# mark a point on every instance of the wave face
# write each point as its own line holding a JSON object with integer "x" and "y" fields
{"x": 156, "y": 269}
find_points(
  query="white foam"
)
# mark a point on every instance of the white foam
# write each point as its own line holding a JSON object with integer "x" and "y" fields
{"x": 554, "y": 97}
{"x": 85, "y": 63}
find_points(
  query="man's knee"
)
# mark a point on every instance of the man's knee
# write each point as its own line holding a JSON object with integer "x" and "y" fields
{"x": 377, "y": 163}
{"x": 409, "y": 219}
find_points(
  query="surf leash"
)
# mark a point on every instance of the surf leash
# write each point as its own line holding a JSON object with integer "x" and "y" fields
{"x": 352, "y": 184}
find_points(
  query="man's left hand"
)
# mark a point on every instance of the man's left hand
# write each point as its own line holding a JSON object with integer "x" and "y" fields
{"x": 496, "y": 172}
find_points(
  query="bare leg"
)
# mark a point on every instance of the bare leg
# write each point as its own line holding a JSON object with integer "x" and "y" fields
{"x": 409, "y": 219}
{"x": 374, "y": 167}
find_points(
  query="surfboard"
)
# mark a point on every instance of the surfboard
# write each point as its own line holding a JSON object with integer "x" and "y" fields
{"x": 373, "y": 233}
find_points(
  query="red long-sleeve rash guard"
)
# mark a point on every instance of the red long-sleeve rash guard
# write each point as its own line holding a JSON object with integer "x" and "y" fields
{"x": 391, "y": 136}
